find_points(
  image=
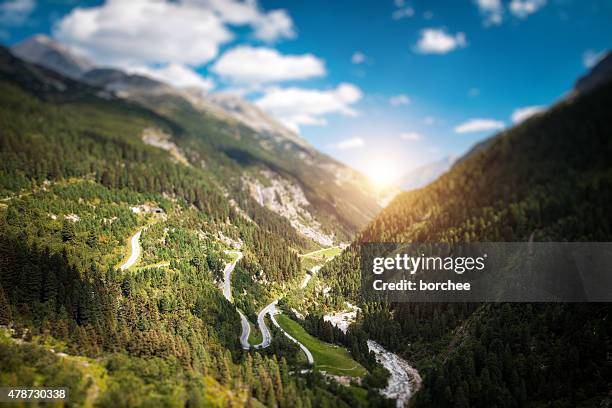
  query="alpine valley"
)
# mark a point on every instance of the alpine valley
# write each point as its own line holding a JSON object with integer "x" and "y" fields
{"x": 160, "y": 247}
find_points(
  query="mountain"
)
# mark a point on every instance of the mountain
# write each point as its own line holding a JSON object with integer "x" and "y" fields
{"x": 117, "y": 80}
{"x": 121, "y": 227}
{"x": 145, "y": 230}
{"x": 273, "y": 161}
{"x": 253, "y": 117}
{"x": 49, "y": 53}
{"x": 425, "y": 174}
{"x": 320, "y": 197}
{"x": 547, "y": 179}
{"x": 598, "y": 75}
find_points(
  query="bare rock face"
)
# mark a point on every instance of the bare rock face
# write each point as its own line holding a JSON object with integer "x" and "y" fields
{"x": 162, "y": 140}
{"x": 288, "y": 200}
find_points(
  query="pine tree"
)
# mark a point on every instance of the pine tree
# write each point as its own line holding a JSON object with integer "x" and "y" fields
{"x": 6, "y": 315}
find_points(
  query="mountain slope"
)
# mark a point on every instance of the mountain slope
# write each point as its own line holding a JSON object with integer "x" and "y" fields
{"x": 322, "y": 199}
{"x": 336, "y": 200}
{"x": 598, "y": 75}
{"x": 81, "y": 172}
{"x": 117, "y": 80}
{"x": 548, "y": 179}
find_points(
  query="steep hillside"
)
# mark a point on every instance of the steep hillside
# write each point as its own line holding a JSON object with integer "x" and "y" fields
{"x": 336, "y": 200}
{"x": 322, "y": 199}
{"x": 117, "y": 224}
{"x": 548, "y": 179}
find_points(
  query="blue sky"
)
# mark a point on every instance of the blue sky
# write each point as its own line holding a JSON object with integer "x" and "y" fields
{"x": 372, "y": 83}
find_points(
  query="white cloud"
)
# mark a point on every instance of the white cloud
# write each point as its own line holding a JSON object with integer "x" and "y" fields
{"x": 137, "y": 32}
{"x": 298, "y": 106}
{"x": 144, "y": 32}
{"x": 402, "y": 12}
{"x": 15, "y": 12}
{"x": 491, "y": 10}
{"x": 245, "y": 64}
{"x": 270, "y": 26}
{"x": 590, "y": 58}
{"x": 352, "y": 143}
{"x": 523, "y": 8}
{"x": 437, "y": 41}
{"x": 274, "y": 25}
{"x": 521, "y": 114}
{"x": 400, "y": 99}
{"x": 479, "y": 125}
{"x": 177, "y": 75}
{"x": 358, "y": 58}
{"x": 412, "y": 136}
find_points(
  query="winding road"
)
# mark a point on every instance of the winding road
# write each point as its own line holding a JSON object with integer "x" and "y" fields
{"x": 261, "y": 317}
{"x": 267, "y": 336}
{"x": 227, "y": 293}
{"x": 227, "y": 275}
{"x": 246, "y": 331}
{"x": 135, "y": 244}
{"x": 261, "y": 322}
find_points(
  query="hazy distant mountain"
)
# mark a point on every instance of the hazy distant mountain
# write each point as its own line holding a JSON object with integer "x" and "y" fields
{"x": 51, "y": 54}
{"x": 600, "y": 73}
{"x": 425, "y": 174}
{"x": 117, "y": 80}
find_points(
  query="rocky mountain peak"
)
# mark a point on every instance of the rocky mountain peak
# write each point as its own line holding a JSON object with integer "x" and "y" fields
{"x": 43, "y": 50}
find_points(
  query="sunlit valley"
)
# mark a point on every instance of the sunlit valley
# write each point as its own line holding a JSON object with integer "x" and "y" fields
{"x": 165, "y": 246}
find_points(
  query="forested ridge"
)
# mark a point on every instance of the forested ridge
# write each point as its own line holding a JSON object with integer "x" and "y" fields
{"x": 73, "y": 169}
{"x": 548, "y": 179}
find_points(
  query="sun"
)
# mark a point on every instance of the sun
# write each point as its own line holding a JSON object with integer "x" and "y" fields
{"x": 381, "y": 173}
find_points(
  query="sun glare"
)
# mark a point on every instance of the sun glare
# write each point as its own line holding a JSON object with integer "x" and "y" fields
{"x": 381, "y": 173}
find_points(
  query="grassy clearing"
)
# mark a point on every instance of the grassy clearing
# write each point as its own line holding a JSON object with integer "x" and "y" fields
{"x": 324, "y": 253}
{"x": 327, "y": 357}
{"x": 162, "y": 264}
{"x": 255, "y": 336}
{"x": 233, "y": 255}
{"x": 319, "y": 257}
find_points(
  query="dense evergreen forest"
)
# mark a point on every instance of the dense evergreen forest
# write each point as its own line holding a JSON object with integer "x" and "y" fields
{"x": 548, "y": 179}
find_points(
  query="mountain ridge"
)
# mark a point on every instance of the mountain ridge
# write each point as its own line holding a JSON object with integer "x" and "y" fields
{"x": 547, "y": 179}
{"x": 265, "y": 135}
